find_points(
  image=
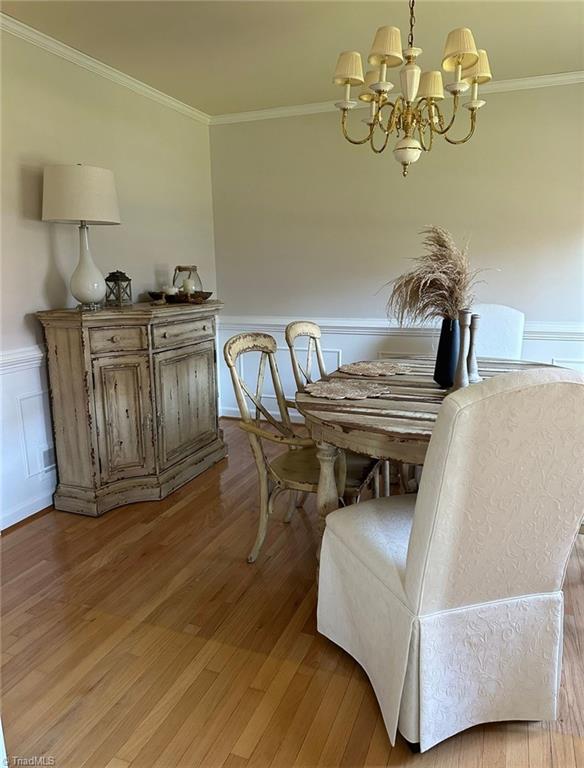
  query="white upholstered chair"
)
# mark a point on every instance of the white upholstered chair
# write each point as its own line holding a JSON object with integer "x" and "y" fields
{"x": 500, "y": 332}
{"x": 500, "y": 335}
{"x": 295, "y": 470}
{"x": 451, "y": 601}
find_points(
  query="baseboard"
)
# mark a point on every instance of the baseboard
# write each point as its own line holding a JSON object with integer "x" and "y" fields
{"x": 15, "y": 515}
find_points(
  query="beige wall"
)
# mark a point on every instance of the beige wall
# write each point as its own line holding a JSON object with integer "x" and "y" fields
{"x": 307, "y": 225}
{"x": 56, "y": 112}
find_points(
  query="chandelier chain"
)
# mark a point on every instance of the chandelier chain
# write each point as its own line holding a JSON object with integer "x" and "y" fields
{"x": 412, "y": 22}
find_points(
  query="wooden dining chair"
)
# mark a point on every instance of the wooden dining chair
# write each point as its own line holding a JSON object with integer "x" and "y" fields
{"x": 303, "y": 375}
{"x": 297, "y": 469}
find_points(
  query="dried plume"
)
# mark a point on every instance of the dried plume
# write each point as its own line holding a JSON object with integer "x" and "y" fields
{"x": 440, "y": 284}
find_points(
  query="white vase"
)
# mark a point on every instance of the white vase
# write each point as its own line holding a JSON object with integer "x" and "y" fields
{"x": 471, "y": 360}
{"x": 87, "y": 283}
{"x": 461, "y": 375}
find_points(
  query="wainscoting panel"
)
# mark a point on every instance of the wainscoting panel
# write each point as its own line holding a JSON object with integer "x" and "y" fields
{"x": 28, "y": 459}
{"x": 28, "y": 462}
{"x": 348, "y": 339}
{"x": 248, "y": 370}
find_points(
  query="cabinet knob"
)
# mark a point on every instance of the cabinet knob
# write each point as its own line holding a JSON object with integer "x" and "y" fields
{"x": 204, "y": 327}
{"x": 165, "y": 335}
{"x": 114, "y": 339}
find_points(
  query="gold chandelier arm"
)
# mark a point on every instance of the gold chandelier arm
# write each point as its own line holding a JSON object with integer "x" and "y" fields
{"x": 473, "y": 122}
{"x": 444, "y": 131}
{"x": 422, "y": 134}
{"x": 396, "y": 108}
{"x": 379, "y": 150}
{"x": 346, "y": 135}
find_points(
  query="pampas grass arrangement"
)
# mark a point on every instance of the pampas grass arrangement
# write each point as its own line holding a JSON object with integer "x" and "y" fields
{"x": 440, "y": 284}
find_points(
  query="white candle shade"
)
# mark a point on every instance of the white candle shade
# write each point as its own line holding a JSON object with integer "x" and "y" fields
{"x": 75, "y": 193}
{"x": 481, "y": 71}
{"x": 366, "y": 93}
{"x": 431, "y": 86}
{"x": 387, "y": 47}
{"x": 349, "y": 70}
{"x": 460, "y": 49}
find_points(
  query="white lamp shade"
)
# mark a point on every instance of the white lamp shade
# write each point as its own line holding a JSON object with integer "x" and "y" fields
{"x": 431, "y": 86}
{"x": 387, "y": 47}
{"x": 460, "y": 49}
{"x": 371, "y": 77}
{"x": 74, "y": 193}
{"x": 349, "y": 70}
{"x": 479, "y": 73}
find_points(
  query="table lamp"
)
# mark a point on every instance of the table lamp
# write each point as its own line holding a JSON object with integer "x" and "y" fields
{"x": 82, "y": 194}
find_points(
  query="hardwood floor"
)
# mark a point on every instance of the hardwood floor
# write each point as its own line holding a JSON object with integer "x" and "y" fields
{"x": 143, "y": 638}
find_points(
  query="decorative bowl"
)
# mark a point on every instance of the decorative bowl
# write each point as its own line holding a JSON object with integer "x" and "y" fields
{"x": 176, "y": 298}
{"x": 198, "y": 297}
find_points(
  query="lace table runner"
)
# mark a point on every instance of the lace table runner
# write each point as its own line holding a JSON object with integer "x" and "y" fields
{"x": 376, "y": 368}
{"x": 343, "y": 389}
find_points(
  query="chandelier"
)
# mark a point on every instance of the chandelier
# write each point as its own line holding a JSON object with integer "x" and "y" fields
{"x": 414, "y": 115}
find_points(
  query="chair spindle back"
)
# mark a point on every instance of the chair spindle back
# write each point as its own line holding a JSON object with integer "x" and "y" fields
{"x": 303, "y": 375}
{"x": 243, "y": 344}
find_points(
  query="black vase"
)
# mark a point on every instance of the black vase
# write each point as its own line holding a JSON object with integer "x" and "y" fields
{"x": 447, "y": 355}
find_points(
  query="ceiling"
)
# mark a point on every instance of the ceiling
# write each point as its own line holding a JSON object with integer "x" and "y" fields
{"x": 224, "y": 57}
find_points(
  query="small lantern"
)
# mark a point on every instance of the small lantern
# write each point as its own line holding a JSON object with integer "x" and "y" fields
{"x": 118, "y": 289}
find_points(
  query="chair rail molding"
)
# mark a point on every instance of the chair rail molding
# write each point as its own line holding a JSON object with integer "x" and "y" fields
{"x": 41, "y": 40}
{"x": 535, "y": 330}
{"x": 26, "y": 433}
{"x": 28, "y": 470}
{"x": 360, "y": 338}
{"x": 21, "y": 359}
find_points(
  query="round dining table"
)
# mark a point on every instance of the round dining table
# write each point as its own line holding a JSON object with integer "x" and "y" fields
{"x": 396, "y": 425}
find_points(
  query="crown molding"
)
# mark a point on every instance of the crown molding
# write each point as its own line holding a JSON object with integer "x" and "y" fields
{"x": 498, "y": 86}
{"x": 47, "y": 43}
{"x": 530, "y": 83}
{"x": 271, "y": 113}
{"x": 40, "y": 40}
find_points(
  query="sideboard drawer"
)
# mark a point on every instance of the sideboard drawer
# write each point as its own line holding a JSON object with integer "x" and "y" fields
{"x": 171, "y": 334}
{"x": 116, "y": 339}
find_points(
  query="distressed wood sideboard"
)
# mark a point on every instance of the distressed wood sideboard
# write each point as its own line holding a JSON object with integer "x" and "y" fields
{"x": 134, "y": 401}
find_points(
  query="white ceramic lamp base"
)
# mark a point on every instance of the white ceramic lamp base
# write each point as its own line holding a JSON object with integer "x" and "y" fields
{"x": 87, "y": 283}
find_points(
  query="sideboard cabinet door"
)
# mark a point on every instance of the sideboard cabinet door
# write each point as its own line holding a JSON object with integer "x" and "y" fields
{"x": 124, "y": 416}
{"x": 187, "y": 401}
